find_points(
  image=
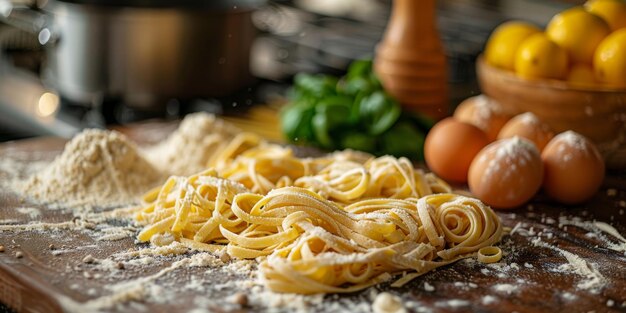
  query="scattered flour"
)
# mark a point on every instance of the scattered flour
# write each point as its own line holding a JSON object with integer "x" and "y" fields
{"x": 453, "y": 303}
{"x": 464, "y": 286}
{"x": 599, "y": 230}
{"x": 569, "y": 296}
{"x": 505, "y": 288}
{"x": 592, "y": 281}
{"x": 428, "y": 287}
{"x": 113, "y": 233}
{"x": 174, "y": 248}
{"x": 489, "y": 299}
{"x": 296, "y": 302}
{"x": 133, "y": 290}
{"x": 146, "y": 260}
{"x": 32, "y": 213}
{"x": 15, "y": 167}
{"x": 387, "y": 303}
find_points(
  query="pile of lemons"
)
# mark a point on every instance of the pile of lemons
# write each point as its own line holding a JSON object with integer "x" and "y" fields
{"x": 585, "y": 45}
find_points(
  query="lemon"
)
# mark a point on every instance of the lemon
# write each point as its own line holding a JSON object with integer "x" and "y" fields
{"x": 578, "y": 32}
{"x": 581, "y": 74}
{"x": 612, "y": 11}
{"x": 539, "y": 57}
{"x": 610, "y": 59}
{"x": 504, "y": 42}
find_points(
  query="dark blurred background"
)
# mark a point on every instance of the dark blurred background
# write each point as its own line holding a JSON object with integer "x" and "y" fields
{"x": 69, "y": 64}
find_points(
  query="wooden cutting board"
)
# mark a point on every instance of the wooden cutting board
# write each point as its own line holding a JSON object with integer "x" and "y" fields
{"x": 534, "y": 276}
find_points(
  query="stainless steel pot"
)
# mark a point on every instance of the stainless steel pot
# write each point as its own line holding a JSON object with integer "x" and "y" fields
{"x": 144, "y": 52}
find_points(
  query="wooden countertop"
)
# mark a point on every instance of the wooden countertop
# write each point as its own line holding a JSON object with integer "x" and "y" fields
{"x": 533, "y": 276}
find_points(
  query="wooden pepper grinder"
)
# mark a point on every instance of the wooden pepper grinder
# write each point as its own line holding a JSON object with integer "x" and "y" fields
{"x": 410, "y": 61}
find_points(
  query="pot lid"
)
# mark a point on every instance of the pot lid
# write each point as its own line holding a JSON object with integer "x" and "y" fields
{"x": 209, "y": 4}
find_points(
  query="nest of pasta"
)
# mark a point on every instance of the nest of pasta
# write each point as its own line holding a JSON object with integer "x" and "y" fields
{"x": 334, "y": 224}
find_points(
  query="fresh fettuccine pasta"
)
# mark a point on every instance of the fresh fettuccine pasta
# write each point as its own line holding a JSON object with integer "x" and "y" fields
{"x": 344, "y": 177}
{"x": 312, "y": 244}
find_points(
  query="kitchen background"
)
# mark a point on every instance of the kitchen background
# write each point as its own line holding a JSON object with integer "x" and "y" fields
{"x": 114, "y": 62}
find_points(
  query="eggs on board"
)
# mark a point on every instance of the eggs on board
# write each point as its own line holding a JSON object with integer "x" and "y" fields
{"x": 527, "y": 125}
{"x": 574, "y": 169}
{"x": 450, "y": 147}
{"x": 506, "y": 173}
{"x": 510, "y": 171}
{"x": 484, "y": 113}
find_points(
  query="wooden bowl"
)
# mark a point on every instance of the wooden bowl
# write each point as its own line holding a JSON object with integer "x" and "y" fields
{"x": 595, "y": 112}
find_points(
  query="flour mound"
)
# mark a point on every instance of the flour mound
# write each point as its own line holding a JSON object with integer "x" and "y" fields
{"x": 97, "y": 168}
{"x": 189, "y": 149}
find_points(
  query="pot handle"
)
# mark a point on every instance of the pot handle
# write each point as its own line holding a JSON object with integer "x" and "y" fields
{"x": 28, "y": 19}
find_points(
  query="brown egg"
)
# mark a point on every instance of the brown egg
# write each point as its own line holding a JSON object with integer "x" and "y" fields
{"x": 574, "y": 169}
{"x": 450, "y": 148}
{"x": 506, "y": 173}
{"x": 527, "y": 125}
{"x": 484, "y": 113}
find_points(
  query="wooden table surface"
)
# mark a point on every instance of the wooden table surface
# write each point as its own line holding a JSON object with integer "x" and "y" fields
{"x": 533, "y": 276}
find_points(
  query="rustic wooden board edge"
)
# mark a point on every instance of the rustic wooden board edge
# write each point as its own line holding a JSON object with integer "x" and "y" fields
{"x": 15, "y": 287}
{"x": 56, "y": 299}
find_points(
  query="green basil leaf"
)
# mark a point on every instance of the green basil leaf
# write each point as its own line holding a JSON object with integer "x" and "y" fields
{"x": 359, "y": 141}
{"x": 379, "y": 112}
{"x": 316, "y": 86}
{"x": 337, "y": 110}
{"x": 359, "y": 69}
{"x": 403, "y": 139}
{"x": 358, "y": 85}
{"x": 321, "y": 130}
{"x": 295, "y": 122}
